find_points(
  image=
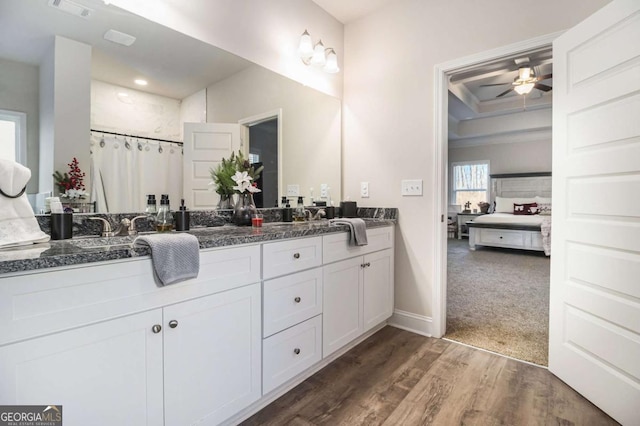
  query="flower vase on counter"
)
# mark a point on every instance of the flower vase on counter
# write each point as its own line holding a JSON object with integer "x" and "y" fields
{"x": 226, "y": 201}
{"x": 245, "y": 207}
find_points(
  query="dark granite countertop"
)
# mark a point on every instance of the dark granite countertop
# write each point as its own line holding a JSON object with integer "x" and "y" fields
{"x": 88, "y": 250}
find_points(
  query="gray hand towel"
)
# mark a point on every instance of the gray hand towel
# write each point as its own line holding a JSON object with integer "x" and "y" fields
{"x": 358, "y": 230}
{"x": 175, "y": 257}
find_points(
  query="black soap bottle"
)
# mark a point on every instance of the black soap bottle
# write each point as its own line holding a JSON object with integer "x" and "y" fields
{"x": 287, "y": 213}
{"x": 181, "y": 218}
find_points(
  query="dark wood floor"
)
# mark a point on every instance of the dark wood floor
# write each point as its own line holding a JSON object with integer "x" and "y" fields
{"x": 400, "y": 378}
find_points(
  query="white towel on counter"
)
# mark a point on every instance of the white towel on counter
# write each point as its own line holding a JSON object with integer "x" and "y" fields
{"x": 357, "y": 228}
{"x": 18, "y": 224}
{"x": 175, "y": 257}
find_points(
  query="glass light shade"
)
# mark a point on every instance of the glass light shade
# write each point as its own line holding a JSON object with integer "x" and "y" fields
{"x": 306, "y": 46}
{"x": 523, "y": 89}
{"x": 319, "y": 59}
{"x": 332, "y": 62}
{"x": 524, "y": 73}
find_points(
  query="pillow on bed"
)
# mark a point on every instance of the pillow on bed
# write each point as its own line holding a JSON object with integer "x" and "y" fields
{"x": 505, "y": 205}
{"x": 544, "y": 209}
{"x": 525, "y": 209}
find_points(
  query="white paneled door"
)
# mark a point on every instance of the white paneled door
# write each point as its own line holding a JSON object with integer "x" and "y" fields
{"x": 594, "y": 341}
{"x": 205, "y": 145}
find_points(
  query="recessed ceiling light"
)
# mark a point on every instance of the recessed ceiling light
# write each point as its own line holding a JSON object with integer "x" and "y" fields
{"x": 119, "y": 37}
{"x": 71, "y": 7}
{"x": 123, "y": 95}
{"x": 140, "y": 82}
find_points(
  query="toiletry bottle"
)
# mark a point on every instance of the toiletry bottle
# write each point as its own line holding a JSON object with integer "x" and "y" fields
{"x": 181, "y": 217}
{"x": 287, "y": 213}
{"x": 166, "y": 197}
{"x": 298, "y": 215}
{"x": 151, "y": 205}
{"x": 284, "y": 202}
{"x": 164, "y": 220}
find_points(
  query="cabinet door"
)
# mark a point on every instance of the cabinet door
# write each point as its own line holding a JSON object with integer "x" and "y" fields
{"x": 212, "y": 356}
{"x": 378, "y": 288}
{"x": 104, "y": 374}
{"x": 342, "y": 304}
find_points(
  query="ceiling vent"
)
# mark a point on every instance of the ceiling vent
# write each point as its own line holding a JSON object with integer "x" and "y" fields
{"x": 119, "y": 37}
{"x": 71, "y": 7}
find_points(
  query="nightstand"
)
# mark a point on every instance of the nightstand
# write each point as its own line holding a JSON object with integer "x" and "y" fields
{"x": 463, "y": 218}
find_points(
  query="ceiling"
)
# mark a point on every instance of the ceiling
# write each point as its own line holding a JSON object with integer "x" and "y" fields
{"x": 346, "y": 11}
{"x": 184, "y": 66}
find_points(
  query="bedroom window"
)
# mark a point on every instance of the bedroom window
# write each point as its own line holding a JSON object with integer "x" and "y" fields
{"x": 469, "y": 183}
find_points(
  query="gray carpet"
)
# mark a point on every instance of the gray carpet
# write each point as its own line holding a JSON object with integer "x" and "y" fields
{"x": 498, "y": 299}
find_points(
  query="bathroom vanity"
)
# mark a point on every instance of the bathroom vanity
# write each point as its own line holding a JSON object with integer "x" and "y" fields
{"x": 269, "y": 308}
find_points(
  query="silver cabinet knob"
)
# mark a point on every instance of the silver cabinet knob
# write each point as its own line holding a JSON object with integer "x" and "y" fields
{"x": 368, "y": 264}
{"x": 296, "y": 351}
{"x": 297, "y": 300}
{"x": 157, "y": 328}
{"x": 296, "y": 255}
{"x": 173, "y": 323}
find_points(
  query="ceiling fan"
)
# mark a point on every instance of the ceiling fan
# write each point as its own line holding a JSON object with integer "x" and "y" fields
{"x": 525, "y": 82}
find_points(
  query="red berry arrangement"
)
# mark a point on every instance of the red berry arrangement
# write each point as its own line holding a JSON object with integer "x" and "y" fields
{"x": 72, "y": 180}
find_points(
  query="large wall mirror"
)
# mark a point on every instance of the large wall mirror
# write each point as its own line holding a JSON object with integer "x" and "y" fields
{"x": 69, "y": 70}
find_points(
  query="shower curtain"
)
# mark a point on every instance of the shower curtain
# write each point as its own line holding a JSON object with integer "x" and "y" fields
{"x": 125, "y": 170}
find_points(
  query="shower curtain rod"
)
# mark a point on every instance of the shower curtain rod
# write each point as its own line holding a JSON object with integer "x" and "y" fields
{"x": 135, "y": 137}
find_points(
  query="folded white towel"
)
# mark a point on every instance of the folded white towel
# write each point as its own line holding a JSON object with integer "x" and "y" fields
{"x": 357, "y": 228}
{"x": 175, "y": 257}
{"x": 18, "y": 225}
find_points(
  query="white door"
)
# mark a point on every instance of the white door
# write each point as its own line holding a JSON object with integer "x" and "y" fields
{"x": 212, "y": 356}
{"x": 378, "y": 288}
{"x": 205, "y": 145}
{"x": 108, "y": 373}
{"x": 594, "y": 336}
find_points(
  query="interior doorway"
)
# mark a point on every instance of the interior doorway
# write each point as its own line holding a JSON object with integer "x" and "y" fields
{"x": 443, "y": 74}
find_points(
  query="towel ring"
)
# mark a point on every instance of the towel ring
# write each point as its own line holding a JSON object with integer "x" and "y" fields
{"x": 14, "y": 196}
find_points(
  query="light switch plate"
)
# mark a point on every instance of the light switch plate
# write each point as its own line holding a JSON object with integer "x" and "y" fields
{"x": 324, "y": 190}
{"x": 364, "y": 189}
{"x": 293, "y": 190}
{"x": 411, "y": 187}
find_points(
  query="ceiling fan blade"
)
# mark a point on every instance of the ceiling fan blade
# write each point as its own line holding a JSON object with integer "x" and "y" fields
{"x": 542, "y": 87}
{"x": 504, "y": 93}
{"x": 544, "y": 77}
{"x": 495, "y": 84}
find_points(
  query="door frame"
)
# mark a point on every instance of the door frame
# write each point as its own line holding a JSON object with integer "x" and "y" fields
{"x": 441, "y": 158}
{"x": 247, "y": 122}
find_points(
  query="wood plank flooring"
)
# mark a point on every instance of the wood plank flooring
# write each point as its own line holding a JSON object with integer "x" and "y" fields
{"x": 400, "y": 378}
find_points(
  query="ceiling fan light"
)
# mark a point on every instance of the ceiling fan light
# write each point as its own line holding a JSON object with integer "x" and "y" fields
{"x": 524, "y": 73}
{"x": 523, "y": 89}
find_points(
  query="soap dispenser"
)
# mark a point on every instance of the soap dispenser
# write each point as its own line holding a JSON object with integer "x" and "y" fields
{"x": 181, "y": 217}
{"x": 164, "y": 220}
{"x": 151, "y": 205}
{"x": 298, "y": 214}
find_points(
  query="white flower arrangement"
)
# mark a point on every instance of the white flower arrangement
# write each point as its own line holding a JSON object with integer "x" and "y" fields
{"x": 243, "y": 183}
{"x": 75, "y": 194}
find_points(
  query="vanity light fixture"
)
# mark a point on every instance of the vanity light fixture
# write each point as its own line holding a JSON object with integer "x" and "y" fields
{"x": 318, "y": 55}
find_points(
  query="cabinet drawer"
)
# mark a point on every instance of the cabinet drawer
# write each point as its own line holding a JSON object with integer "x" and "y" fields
{"x": 291, "y": 299}
{"x": 290, "y": 352}
{"x": 38, "y": 303}
{"x": 286, "y": 257}
{"x": 336, "y": 246}
{"x": 505, "y": 237}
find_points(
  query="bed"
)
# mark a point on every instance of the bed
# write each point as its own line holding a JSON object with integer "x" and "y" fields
{"x": 507, "y": 228}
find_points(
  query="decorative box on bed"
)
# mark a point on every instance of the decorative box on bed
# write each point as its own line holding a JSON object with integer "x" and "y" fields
{"x": 504, "y": 229}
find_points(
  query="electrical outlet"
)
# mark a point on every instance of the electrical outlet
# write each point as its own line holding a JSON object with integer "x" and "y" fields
{"x": 364, "y": 189}
{"x": 324, "y": 190}
{"x": 411, "y": 187}
{"x": 293, "y": 190}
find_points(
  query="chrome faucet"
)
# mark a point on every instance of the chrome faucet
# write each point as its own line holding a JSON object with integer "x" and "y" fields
{"x": 126, "y": 227}
{"x": 319, "y": 214}
{"x": 107, "y": 231}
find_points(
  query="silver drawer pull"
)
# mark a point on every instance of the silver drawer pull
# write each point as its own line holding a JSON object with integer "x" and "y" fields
{"x": 156, "y": 328}
{"x": 296, "y": 351}
{"x": 173, "y": 323}
{"x": 297, "y": 300}
{"x": 296, "y": 255}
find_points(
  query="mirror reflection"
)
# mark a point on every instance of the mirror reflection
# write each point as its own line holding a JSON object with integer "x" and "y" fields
{"x": 74, "y": 80}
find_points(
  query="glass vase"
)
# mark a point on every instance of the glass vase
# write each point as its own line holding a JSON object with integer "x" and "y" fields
{"x": 226, "y": 201}
{"x": 245, "y": 207}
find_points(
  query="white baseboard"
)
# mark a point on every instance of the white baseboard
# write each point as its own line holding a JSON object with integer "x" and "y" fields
{"x": 415, "y": 323}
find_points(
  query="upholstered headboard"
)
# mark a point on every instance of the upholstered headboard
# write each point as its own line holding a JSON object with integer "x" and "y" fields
{"x": 521, "y": 185}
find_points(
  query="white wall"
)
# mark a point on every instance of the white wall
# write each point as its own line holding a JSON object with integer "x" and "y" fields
{"x": 19, "y": 92}
{"x": 517, "y": 157}
{"x": 388, "y": 128}
{"x": 265, "y": 32}
{"x": 138, "y": 113}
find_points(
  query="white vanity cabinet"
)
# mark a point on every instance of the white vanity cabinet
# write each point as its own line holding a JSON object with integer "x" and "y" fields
{"x": 112, "y": 347}
{"x": 358, "y": 291}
